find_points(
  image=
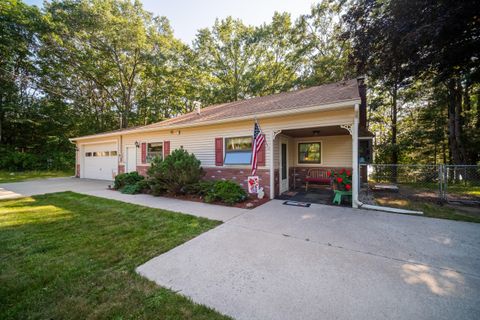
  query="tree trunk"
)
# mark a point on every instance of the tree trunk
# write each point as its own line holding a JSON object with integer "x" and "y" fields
{"x": 455, "y": 123}
{"x": 394, "y": 133}
{"x": 394, "y": 125}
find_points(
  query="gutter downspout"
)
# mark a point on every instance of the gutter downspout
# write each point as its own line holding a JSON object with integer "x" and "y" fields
{"x": 272, "y": 172}
{"x": 355, "y": 175}
{"x": 355, "y": 182}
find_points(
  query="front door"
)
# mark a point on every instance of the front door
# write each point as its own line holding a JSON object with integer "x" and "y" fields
{"x": 131, "y": 159}
{"x": 283, "y": 166}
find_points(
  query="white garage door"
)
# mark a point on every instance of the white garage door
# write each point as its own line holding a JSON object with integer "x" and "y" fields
{"x": 100, "y": 161}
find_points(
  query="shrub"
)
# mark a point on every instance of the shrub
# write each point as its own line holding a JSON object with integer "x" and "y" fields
{"x": 125, "y": 179}
{"x": 226, "y": 191}
{"x": 131, "y": 189}
{"x": 175, "y": 174}
{"x": 201, "y": 188}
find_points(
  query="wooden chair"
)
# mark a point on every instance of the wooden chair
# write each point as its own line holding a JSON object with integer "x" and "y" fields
{"x": 318, "y": 176}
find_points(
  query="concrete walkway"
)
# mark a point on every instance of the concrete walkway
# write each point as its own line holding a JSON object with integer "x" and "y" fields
{"x": 99, "y": 188}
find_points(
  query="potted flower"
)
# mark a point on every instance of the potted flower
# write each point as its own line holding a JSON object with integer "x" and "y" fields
{"x": 341, "y": 180}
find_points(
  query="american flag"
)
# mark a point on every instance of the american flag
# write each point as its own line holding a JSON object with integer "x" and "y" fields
{"x": 258, "y": 141}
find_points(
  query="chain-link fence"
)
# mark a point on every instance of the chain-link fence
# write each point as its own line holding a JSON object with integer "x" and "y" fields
{"x": 397, "y": 185}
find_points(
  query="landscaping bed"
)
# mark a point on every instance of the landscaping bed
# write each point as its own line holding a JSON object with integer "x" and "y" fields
{"x": 250, "y": 203}
{"x": 72, "y": 256}
{"x": 180, "y": 176}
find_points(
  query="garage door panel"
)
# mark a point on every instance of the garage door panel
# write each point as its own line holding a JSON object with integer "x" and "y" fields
{"x": 100, "y": 161}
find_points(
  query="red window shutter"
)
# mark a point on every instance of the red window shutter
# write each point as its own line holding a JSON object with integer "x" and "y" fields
{"x": 261, "y": 155}
{"x": 219, "y": 151}
{"x": 166, "y": 148}
{"x": 144, "y": 152}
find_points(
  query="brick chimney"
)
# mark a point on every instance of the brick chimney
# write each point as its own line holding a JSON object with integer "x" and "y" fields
{"x": 362, "y": 91}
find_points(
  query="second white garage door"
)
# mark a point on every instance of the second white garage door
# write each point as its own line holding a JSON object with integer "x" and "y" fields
{"x": 100, "y": 161}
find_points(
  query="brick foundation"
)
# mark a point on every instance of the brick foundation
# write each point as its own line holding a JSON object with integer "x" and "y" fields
{"x": 276, "y": 182}
{"x": 77, "y": 171}
{"x": 301, "y": 173}
{"x": 121, "y": 168}
{"x": 240, "y": 176}
{"x": 142, "y": 170}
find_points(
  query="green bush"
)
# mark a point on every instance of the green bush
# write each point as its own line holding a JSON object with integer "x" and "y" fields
{"x": 201, "y": 188}
{"x": 124, "y": 179}
{"x": 226, "y": 191}
{"x": 15, "y": 160}
{"x": 175, "y": 174}
{"x": 132, "y": 188}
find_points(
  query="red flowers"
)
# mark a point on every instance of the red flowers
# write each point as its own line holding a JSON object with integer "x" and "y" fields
{"x": 342, "y": 179}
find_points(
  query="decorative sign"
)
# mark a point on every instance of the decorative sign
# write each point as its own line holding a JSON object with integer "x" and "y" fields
{"x": 253, "y": 184}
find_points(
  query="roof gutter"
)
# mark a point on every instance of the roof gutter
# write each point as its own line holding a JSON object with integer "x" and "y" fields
{"x": 324, "y": 107}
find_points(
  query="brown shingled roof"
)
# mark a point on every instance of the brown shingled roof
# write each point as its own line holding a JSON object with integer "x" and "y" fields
{"x": 309, "y": 97}
{"x": 297, "y": 99}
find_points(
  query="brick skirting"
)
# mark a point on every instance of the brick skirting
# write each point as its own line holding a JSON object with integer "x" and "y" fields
{"x": 301, "y": 173}
{"x": 142, "y": 170}
{"x": 240, "y": 176}
{"x": 121, "y": 168}
{"x": 77, "y": 171}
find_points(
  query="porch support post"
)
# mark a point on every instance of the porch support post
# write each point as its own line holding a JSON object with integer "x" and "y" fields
{"x": 272, "y": 172}
{"x": 355, "y": 168}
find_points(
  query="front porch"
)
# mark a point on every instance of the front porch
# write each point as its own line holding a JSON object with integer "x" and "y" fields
{"x": 298, "y": 151}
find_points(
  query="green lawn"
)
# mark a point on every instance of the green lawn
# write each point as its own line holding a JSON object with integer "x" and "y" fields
{"x": 9, "y": 176}
{"x": 434, "y": 210}
{"x": 72, "y": 256}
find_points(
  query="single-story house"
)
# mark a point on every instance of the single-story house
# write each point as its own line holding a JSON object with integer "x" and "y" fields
{"x": 317, "y": 127}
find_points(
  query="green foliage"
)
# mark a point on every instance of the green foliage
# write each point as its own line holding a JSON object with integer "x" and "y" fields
{"x": 342, "y": 178}
{"x": 127, "y": 179}
{"x": 131, "y": 189}
{"x": 225, "y": 191}
{"x": 176, "y": 173}
{"x": 88, "y": 66}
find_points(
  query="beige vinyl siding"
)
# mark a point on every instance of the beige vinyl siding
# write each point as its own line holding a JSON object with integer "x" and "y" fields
{"x": 201, "y": 140}
{"x": 336, "y": 151}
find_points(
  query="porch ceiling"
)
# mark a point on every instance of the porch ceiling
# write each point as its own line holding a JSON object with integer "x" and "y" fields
{"x": 316, "y": 131}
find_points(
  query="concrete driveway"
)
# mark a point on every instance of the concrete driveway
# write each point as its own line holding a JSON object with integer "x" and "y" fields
{"x": 324, "y": 262}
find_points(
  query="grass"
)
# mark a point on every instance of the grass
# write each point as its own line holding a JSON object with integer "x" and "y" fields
{"x": 72, "y": 256}
{"x": 432, "y": 210}
{"x": 455, "y": 189}
{"x": 10, "y": 176}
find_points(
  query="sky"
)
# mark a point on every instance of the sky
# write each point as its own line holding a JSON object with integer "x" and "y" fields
{"x": 187, "y": 16}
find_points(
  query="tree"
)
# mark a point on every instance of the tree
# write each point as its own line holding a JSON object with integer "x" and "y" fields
{"x": 321, "y": 45}
{"x": 227, "y": 54}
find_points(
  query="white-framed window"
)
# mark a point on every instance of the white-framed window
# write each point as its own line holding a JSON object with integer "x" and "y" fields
{"x": 310, "y": 152}
{"x": 238, "y": 150}
{"x": 154, "y": 149}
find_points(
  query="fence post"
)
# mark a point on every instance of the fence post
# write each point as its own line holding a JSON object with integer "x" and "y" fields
{"x": 440, "y": 187}
{"x": 445, "y": 182}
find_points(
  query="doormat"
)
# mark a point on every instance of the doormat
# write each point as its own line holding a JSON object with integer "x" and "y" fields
{"x": 290, "y": 193}
{"x": 297, "y": 204}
